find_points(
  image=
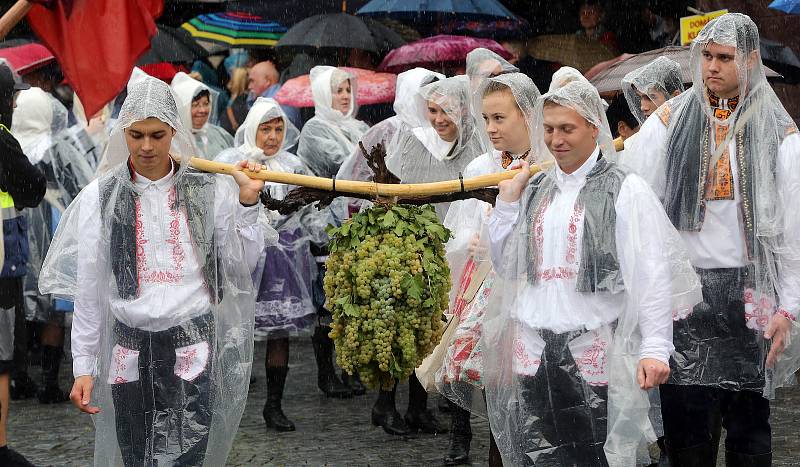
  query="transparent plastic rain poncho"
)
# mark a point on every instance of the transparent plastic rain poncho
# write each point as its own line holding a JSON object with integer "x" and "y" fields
{"x": 483, "y": 64}
{"x": 330, "y": 136}
{"x": 407, "y": 108}
{"x": 721, "y": 343}
{"x": 163, "y": 315}
{"x": 210, "y": 139}
{"x": 589, "y": 277}
{"x": 286, "y": 270}
{"x": 417, "y": 154}
{"x": 461, "y": 377}
{"x": 662, "y": 76}
{"x": 39, "y": 123}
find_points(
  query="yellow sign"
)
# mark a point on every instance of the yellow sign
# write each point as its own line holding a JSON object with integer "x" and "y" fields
{"x": 691, "y": 25}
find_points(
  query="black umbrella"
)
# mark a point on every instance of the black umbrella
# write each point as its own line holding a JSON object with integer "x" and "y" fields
{"x": 289, "y": 12}
{"x": 340, "y": 30}
{"x": 172, "y": 45}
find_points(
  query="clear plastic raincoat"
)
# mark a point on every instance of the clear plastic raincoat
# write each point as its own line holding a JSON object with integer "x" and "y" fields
{"x": 210, "y": 139}
{"x": 330, "y": 136}
{"x": 590, "y": 273}
{"x": 662, "y": 75}
{"x": 39, "y": 123}
{"x": 407, "y": 108}
{"x": 740, "y": 229}
{"x": 483, "y": 64}
{"x": 160, "y": 273}
{"x": 417, "y": 154}
{"x": 461, "y": 375}
{"x": 286, "y": 271}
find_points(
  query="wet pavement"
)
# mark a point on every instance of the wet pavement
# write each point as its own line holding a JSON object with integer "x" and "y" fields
{"x": 330, "y": 432}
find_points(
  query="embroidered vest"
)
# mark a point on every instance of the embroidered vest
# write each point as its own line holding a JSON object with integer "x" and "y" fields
{"x": 195, "y": 192}
{"x": 599, "y": 263}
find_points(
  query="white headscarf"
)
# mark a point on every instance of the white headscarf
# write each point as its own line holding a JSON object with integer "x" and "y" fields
{"x": 35, "y": 121}
{"x": 264, "y": 109}
{"x": 324, "y": 79}
{"x": 186, "y": 89}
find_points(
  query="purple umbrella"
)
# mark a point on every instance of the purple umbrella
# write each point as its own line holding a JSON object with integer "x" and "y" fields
{"x": 437, "y": 52}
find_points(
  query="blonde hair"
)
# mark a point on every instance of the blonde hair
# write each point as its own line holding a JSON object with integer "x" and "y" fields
{"x": 238, "y": 82}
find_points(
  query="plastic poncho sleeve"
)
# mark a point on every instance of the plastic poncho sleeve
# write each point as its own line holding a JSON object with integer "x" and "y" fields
{"x": 788, "y": 179}
{"x": 86, "y": 319}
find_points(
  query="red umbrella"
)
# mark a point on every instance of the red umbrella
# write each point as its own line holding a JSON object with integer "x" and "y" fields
{"x": 164, "y": 71}
{"x": 27, "y": 58}
{"x": 373, "y": 88}
{"x": 437, "y": 51}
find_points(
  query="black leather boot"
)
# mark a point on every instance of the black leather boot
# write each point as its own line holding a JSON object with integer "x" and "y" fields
{"x": 273, "y": 414}
{"x": 354, "y": 383}
{"x": 327, "y": 381}
{"x": 418, "y": 417}
{"x": 735, "y": 459}
{"x": 460, "y": 436}
{"x": 699, "y": 455}
{"x": 49, "y": 391}
{"x": 384, "y": 413}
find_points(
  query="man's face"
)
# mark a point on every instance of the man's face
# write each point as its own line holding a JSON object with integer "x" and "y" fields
{"x": 719, "y": 70}
{"x": 257, "y": 81}
{"x": 269, "y": 136}
{"x": 505, "y": 123}
{"x": 651, "y": 101}
{"x": 148, "y": 144}
{"x": 570, "y": 138}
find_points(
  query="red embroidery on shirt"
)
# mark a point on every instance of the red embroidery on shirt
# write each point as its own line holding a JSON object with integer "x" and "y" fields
{"x": 538, "y": 231}
{"x": 184, "y": 364}
{"x": 175, "y": 275}
{"x": 556, "y": 273}
{"x": 521, "y": 354}
{"x": 572, "y": 234}
{"x": 119, "y": 358}
{"x": 141, "y": 258}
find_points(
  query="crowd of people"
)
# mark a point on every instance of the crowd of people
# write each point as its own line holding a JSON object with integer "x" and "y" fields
{"x": 618, "y": 307}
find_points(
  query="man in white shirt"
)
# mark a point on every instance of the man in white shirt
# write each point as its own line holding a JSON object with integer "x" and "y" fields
{"x": 158, "y": 260}
{"x": 581, "y": 249}
{"x": 724, "y": 159}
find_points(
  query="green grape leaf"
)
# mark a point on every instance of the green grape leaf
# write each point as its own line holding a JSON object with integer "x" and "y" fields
{"x": 400, "y": 228}
{"x": 352, "y": 310}
{"x": 389, "y": 219}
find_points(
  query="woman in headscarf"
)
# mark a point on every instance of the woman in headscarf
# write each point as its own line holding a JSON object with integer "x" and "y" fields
{"x": 40, "y": 125}
{"x": 287, "y": 270}
{"x": 508, "y": 109}
{"x": 333, "y": 133}
{"x": 197, "y": 107}
{"x": 438, "y": 139}
{"x": 158, "y": 261}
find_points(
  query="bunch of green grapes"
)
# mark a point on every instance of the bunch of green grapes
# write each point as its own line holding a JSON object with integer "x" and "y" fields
{"x": 387, "y": 285}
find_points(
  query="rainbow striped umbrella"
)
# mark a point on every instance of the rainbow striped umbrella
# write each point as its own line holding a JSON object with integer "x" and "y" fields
{"x": 235, "y": 29}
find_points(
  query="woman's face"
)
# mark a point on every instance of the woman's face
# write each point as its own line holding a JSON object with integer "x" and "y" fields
{"x": 342, "y": 96}
{"x": 444, "y": 126}
{"x": 201, "y": 107}
{"x": 269, "y": 136}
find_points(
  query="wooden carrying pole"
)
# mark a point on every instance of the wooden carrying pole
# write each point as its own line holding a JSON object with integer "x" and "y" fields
{"x": 13, "y": 16}
{"x": 388, "y": 190}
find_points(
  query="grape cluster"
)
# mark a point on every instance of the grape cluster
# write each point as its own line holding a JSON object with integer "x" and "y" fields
{"x": 387, "y": 285}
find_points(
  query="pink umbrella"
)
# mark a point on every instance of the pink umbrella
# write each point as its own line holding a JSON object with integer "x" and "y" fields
{"x": 27, "y": 58}
{"x": 373, "y": 88}
{"x": 436, "y": 52}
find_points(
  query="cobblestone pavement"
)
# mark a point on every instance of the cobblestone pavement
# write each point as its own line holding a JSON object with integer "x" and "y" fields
{"x": 330, "y": 432}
